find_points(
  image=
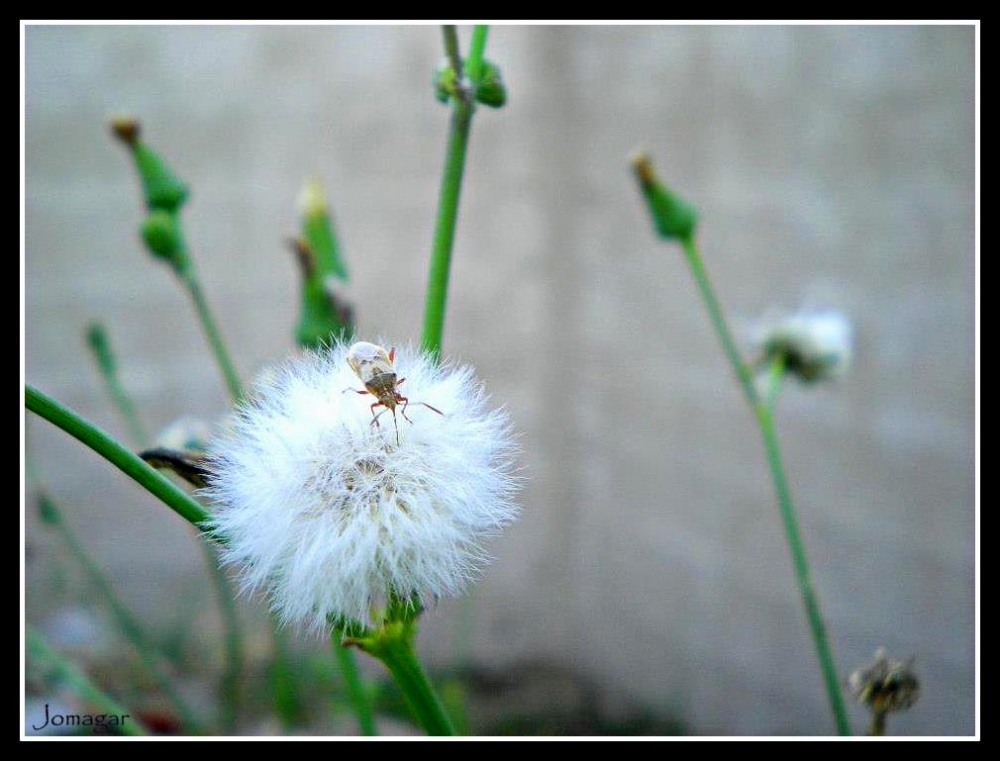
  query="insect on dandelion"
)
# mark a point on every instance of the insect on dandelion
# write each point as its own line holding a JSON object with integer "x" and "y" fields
{"x": 374, "y": 366}
{"x": 335, "y": 515}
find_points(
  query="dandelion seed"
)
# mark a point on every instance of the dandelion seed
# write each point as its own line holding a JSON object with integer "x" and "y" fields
{"x": 332, "y": 516}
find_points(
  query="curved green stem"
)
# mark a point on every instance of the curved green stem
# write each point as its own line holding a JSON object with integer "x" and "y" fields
{"x": 58, "y": 667}
{"x": 230, "y": 681}
{"x": 393, "y": 645}
{"x": 119, "y": 456}
{"x": 765, "y": 417}
{"x": 193, "y": 286}
{"x": 356, "y": 694}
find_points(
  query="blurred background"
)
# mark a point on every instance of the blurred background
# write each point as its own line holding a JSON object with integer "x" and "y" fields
{"x": 647, "y": 585}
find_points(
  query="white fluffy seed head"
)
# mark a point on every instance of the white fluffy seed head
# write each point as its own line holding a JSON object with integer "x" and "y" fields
{"x": 815, "y": 345}
{"x": 331, "y": 516}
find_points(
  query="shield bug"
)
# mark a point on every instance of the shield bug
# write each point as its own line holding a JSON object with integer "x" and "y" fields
{"x": 374, "y": 366}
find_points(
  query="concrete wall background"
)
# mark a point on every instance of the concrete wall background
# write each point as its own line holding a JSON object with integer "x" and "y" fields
{"x": 831, "y": 166}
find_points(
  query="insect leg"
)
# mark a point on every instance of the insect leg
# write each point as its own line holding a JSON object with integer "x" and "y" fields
{"x": 406, "y": 403}
{"x": 375, "y": 417}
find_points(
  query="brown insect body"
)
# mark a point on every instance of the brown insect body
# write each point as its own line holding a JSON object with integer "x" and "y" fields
{"x": 373, "y": 364}
{"x": 383, "y": 388}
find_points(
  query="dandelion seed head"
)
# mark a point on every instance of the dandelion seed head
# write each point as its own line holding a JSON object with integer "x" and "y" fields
{"x": 331, "y": 516}
{"x": 815, "y": 345}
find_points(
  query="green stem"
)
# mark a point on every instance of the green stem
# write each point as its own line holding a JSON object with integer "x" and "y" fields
{"x": 230, "y": 682}
{"x": 719, "y": 320}
{"x": 116, "y": 454}
{"x": 229, "y": 686}
{"x": 396, "y": 652}
{"x": 765, "y": 417}
{"x": 286, "y": 699}
{"x": 191, "y": 282}
{"x": 447, "y": 216}
{"x": 477, "y": 47}
{"x": 129, "y": 625}
{"x": 100, "y": 346}
{"x": 58, "y": 667}
{"x": 356, "y": 693}
{"x": 450, "y": 34}
{"x": 764, "y": 410}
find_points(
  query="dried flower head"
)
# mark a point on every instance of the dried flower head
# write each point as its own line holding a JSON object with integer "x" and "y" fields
{"x": 814, "y": 345}
{"x": 885, "y": 685}
{"x": 331, "y": 515}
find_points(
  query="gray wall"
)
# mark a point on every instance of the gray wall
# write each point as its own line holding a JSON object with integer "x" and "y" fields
{"x": 831, "y": 167}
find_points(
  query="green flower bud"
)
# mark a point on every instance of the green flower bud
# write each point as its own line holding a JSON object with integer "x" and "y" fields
{"x": 323, "y": 316}
{"x": 317, "y": 231}
{"x": 162, "y": 188}
{"x": 672, "y": 216}
{"x": 444, "y": 81}
{"x": 490, "y": 90}
{"x": 162, "y": 235}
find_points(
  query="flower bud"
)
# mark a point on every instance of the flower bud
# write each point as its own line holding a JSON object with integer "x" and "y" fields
{"x": 162, "y": 235}
{"x": 672, "y": 216}
{"x": 490, "y": 90}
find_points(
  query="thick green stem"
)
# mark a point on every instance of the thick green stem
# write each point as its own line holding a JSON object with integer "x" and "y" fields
{"x": 397, "y": 653}
{"x": 765, "y": 417}
{"x": 59, "y": 668}
{"x": 719, "y": 319}
{"x": 128, "y": 624}
{"x": 123, "y": 459}
{"x": 357, "y": 695}
{"x": 447, "y": 216}
{"x": 191, "y": 282}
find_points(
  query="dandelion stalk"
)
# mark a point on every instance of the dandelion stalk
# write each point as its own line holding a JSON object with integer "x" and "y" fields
{"x": 462, "y": 99}
{"x": 392, "y": 643}
{"x": 674, "y": 219}
{"x": 123, "y": 617}
{"x": 115, "y": 453}
{"x": 218, "y": 346}
{"x": 356, "y": 694}
{"x": 765, "y": 418}
{"x": 451, "y": 187}
{"x": 58, "y": 668}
